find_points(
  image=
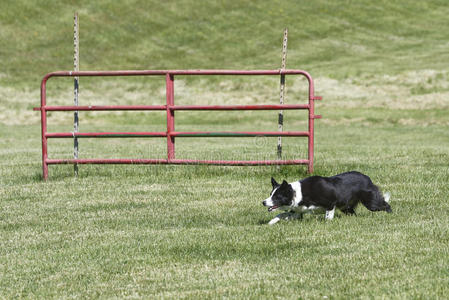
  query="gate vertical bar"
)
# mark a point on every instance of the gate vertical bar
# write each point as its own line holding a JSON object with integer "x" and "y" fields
{"x": 76, "y": 90}
{"x": 282, "y": 92}
{"x": 44, "y": 129}
{"x": 170, "y": 94}
{"x": 311, "y": 124}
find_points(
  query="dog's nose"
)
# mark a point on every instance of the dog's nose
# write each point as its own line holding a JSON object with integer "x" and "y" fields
{"x": 263, "y": 202}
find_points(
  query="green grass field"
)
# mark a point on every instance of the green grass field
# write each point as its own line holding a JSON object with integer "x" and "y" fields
{"x": 201, "y": 231}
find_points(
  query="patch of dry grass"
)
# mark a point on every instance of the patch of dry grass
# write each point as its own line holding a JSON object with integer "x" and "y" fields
{"x": 428, "y": 89}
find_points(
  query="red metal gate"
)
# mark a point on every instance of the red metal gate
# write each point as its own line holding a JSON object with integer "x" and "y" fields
{"x": 170, "y": 108}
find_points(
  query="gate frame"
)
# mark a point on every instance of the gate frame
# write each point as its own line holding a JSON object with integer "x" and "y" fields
{"x": 170, "y": 109}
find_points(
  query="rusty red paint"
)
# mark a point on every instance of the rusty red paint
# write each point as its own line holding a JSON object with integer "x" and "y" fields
{"x": 105, "y": 107}
{"x": 170, "y": 109}
{"x": 238, "y": 133}
{"x": 104, "y": 134}
{"x": 170, "y": 86}
{"x": 177, "y": 162}
{"x": 240, "y": 107}
{"x": 174, "y": 134}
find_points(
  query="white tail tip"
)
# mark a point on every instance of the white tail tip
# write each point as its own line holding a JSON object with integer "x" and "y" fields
{"x": 387, "y": 197}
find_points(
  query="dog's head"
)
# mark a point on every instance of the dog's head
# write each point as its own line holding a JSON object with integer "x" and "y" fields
{"x": 281, "y": 197}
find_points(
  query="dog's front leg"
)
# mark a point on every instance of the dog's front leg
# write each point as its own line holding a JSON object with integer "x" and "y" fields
{"x": 330, "y": 214}
{"x": 286, "y": 216}
{"x": 276, "y": 219}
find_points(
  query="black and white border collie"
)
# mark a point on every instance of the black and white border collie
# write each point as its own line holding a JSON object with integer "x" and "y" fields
{"x": 324, "y": 194}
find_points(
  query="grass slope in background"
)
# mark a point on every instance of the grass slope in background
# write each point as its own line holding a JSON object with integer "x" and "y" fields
{"x": 337, "y": 40}
{"x": 200, "y": 231}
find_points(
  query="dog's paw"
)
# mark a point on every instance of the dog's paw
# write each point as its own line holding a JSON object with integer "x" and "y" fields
{"x": 274, "y": 221}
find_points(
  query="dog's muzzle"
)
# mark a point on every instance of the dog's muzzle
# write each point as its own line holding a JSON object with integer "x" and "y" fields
{"x": 270, "y": 205}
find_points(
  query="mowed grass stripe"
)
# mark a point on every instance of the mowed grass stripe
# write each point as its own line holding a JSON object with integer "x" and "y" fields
{"x": 200, "y": 231}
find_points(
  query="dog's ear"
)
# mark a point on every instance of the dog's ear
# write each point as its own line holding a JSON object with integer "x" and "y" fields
{"x": 274, "y": 183}
{"x": 284, "y": 183}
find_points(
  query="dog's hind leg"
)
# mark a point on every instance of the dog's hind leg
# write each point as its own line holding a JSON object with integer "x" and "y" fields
{"x": 349, "y": 211}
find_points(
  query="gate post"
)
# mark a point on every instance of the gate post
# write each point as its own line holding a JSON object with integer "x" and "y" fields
{"x": 76, "y": 59}
{"x": 312, "y": 118}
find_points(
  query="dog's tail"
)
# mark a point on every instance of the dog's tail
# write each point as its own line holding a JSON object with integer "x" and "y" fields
{"x": 374, "y": 200}
{"x": 387, "y": 197}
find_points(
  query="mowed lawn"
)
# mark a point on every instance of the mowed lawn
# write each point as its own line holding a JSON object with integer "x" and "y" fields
{"x": 200, "y": 231}
{"x": 196, "y": 232}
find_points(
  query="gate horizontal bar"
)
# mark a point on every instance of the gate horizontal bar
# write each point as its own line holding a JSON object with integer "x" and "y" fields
{"x": 103, "y": 107}
{"x": 240, "y": 107}
{"x": 174, "y": 134}
{"x": 179, "y": 162}
{"x": 240, "y": 162}
{"x": 104, "y": 134}
{"x": 175, "y": 107}
{"x": 176, "y": 72}
{"x": 237, "y": 133}
{"x": 107, "y": 161}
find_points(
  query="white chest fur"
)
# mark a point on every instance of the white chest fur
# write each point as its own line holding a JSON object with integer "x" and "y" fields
{"x": 296, "y": 186}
